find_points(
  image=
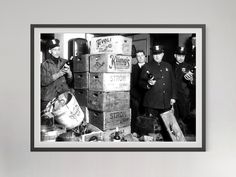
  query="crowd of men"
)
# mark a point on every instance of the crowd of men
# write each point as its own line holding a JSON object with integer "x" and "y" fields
{"x": 158, "y": 86}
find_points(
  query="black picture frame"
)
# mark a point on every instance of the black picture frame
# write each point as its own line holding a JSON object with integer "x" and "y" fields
{"x": 200, "y": 30}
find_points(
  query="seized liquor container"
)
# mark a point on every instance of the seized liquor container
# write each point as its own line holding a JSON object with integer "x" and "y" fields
{"x": 108, "y": 135}
{"x": 110, "y": 63}
{"x": 81, "y": 80}
{"x": 111, "y": 44}
{"x": 117, "y": 137}
{"x": 77, "y": 47}
{"x": 66, "y": 110}
{"x": 93, "y": 134}
{"x": 81, "y": 64}
{"x": 110, "y": 120}
{"x": 81, "y": 96}
{"x": 109, "y": 82}
{"x": 108, "y": 101}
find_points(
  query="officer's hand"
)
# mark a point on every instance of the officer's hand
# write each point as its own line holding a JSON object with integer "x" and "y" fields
{"x": 151, "y": 82}
{"x": 172, "y": 102}
{"x": 188, "y": 76}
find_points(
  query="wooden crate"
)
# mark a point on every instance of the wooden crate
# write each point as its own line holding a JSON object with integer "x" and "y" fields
{"x": 95, "y": 134}
{"x": 110, "y": 63}
{"x": 109, "y": 134}
{"x": 172, "y": 126}
{"x": 110, "y": 120}
{"x": 108, "y": 101}
{"x": 109, "y": 82}
{"x": 81, "y": 96}
{"x": 81, "y": 80}
{"x": 81, "y": 64}
{"x": 111, "y": 44}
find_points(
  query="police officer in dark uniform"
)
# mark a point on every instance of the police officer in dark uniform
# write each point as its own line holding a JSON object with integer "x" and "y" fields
{"x": 55, "y": 74}
{"x": 191, "y": 59}
{"x": 158, "y": 79}
{"x": 184, "y": 81}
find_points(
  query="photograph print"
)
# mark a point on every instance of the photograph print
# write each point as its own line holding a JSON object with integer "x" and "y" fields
{"x": 117, "y": 87}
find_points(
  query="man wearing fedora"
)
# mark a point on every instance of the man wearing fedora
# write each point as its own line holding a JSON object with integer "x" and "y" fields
{"x": 158, "y": 79}
{"x": 55, "y": 74}
{"x": 184, "y": 81}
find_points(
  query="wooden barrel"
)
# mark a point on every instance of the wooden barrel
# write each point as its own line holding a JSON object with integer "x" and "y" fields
{"x": 69, "y": 114}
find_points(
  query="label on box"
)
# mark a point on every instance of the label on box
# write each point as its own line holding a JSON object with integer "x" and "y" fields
{"x": 109, "y": 82}
{"x": 111, "y": 44}
{"x": 110, "y": 120}
{"x": 110, "y": 63}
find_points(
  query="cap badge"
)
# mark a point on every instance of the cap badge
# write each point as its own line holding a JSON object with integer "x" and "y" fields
{"x": 54, "y": 41}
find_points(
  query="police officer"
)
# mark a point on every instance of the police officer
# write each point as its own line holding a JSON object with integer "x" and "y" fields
{"x": 191, "y": 50}
{"x": 55, "y": 74}
{"x": 158, "y": 80}
{"x": 184, "y": 81}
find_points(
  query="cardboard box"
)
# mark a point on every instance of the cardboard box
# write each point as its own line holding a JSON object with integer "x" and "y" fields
{"x": 110, "y": 120}
{"x": 109, "y": 82}
{"x": 111, "y": 44}
{"x": 81, "y": 64}
{"x": 81, "y": 80}
{"x": 110, "y": 63}
{"x": 108, "y": 101}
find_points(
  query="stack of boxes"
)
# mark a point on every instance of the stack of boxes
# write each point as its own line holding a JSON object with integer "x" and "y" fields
{"x": 81, "y": 80}
{"x": 109, "y": 84}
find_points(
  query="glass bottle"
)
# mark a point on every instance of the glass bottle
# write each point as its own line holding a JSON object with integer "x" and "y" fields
{"x": 117, "y": 137}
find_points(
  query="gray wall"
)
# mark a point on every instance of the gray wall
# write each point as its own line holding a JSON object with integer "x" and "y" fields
{"x": 16, "y": 160}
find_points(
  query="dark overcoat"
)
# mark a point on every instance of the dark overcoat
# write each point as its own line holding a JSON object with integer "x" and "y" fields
{"x": 158, "y": 96}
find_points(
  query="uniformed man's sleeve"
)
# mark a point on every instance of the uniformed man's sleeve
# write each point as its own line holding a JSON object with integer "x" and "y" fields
{"x": 46, "y": 76}
{"x": 173, "y": 84}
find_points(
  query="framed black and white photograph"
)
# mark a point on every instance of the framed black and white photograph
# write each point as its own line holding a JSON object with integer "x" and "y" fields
{"x": 118, "y": 87}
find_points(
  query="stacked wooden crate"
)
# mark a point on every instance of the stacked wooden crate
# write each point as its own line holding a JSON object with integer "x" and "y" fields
{"x": 109, "y": 84}
{"x": 81, "y": 80}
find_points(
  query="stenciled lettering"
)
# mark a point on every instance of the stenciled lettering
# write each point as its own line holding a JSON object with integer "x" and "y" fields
{"x": 119, "y": 62}
{"x": 118, "y": 78}
{"x": 116, "y": 115}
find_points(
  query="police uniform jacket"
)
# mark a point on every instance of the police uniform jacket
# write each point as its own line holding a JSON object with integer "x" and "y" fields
{"x": 182, "y": 85}
{"x": 158, "y": 96}
{"x": 191, "y": 57}
{"x": 50, "y": 88}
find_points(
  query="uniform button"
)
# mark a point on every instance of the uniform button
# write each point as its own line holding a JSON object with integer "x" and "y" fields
{"x": 164, "y": 84}
{"x": 162, "y": 77}
{"x": 161, "y": 70}
{"x": 164, "y": 91}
